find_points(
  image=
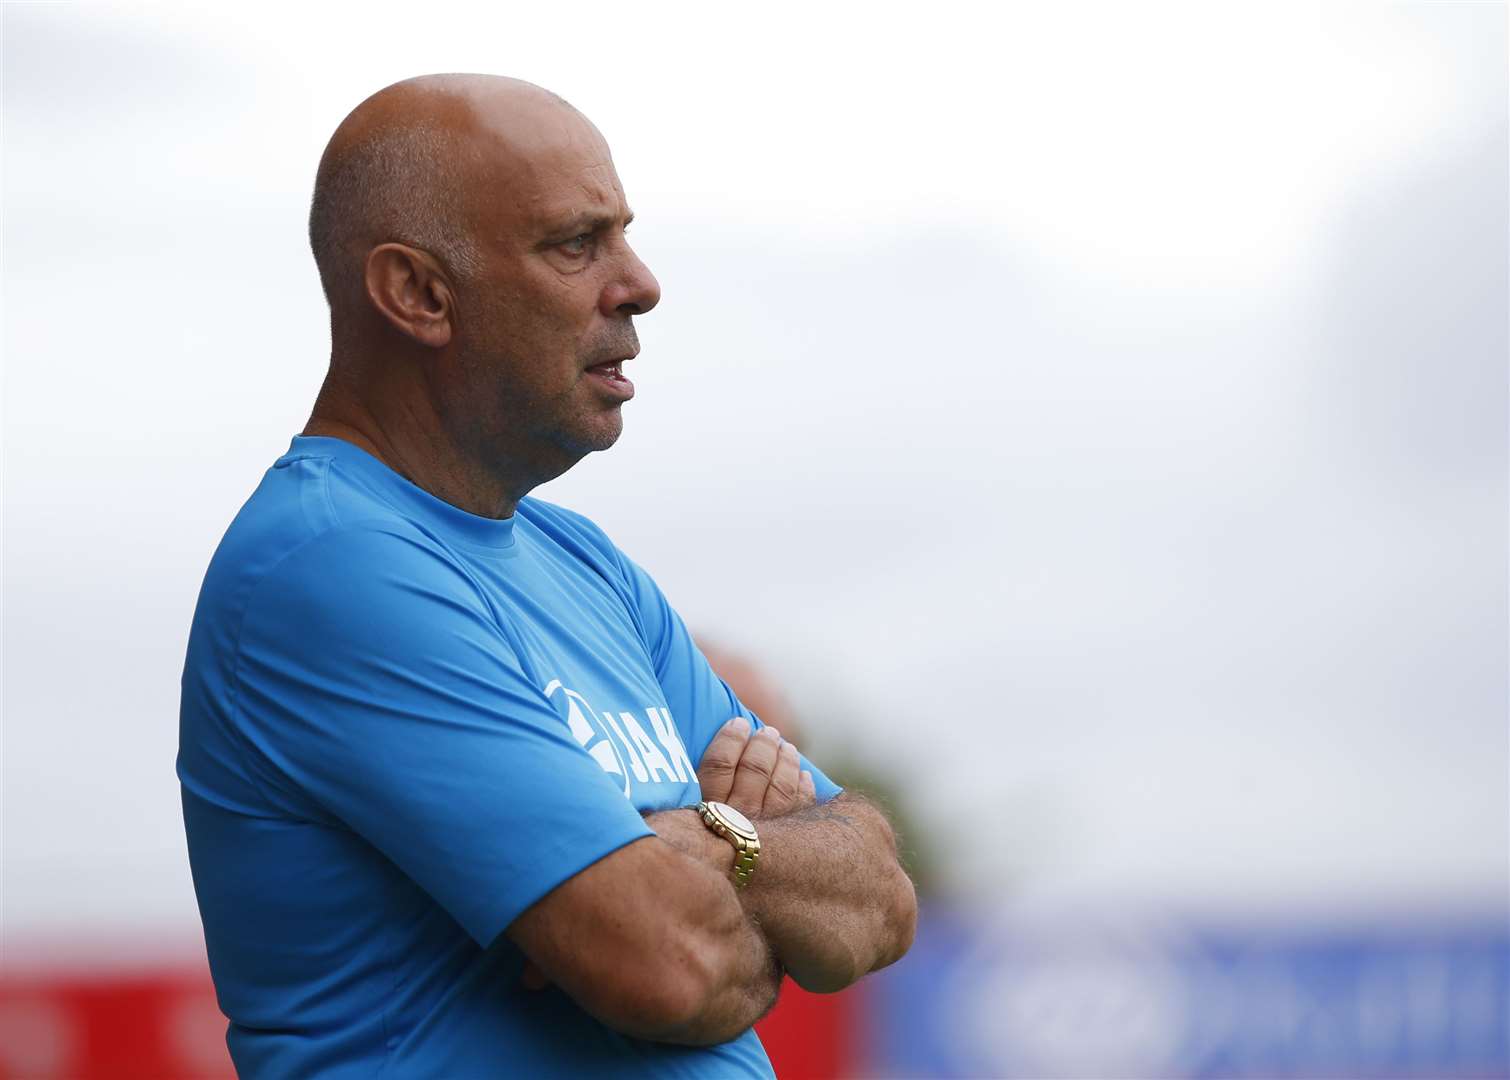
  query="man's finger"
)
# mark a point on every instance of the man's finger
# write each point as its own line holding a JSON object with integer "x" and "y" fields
{"x": 753, "y": 773}
{"x": 809, "y": 790}
{"x": 715, "y": 773}
{"x": 786, "y": 783}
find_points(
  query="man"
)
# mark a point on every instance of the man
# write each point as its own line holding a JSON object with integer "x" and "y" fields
{"x": 437, "y": 738}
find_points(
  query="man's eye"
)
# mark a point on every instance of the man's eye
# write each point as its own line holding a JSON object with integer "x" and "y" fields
{"x": 577, "y": 245}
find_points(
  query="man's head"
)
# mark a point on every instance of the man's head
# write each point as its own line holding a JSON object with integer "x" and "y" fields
{"x": 469, "y": 232}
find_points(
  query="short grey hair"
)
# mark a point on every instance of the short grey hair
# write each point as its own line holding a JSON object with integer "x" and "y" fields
{"x": 402, "y": 185}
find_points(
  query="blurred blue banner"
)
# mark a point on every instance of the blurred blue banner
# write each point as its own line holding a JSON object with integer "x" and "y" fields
{"x": 1127, "y": 997}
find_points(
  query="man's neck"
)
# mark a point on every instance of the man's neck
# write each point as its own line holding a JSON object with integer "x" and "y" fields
{"x": 438, "y": 469}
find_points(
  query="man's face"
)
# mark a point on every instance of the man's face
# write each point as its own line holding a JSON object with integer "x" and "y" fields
{"x": 543, "y": 329}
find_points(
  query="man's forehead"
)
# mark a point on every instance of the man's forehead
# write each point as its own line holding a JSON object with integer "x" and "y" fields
{"x": 554, "y": 174}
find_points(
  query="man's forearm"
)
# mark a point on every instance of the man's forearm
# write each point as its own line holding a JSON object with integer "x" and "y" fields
{"x": 744, "y": 988}
{"x": 829, "y": 893}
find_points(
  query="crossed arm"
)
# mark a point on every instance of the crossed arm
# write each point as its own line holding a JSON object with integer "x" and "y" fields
{"x": 655, "y": 941}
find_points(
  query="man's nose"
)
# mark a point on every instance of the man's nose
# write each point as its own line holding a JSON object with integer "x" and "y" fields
{"x": 635, "y": 290}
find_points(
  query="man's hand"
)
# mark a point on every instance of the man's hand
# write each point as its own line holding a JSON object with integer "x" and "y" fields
{"x": 759, "y": 775}
{"x": 830, "y": 896}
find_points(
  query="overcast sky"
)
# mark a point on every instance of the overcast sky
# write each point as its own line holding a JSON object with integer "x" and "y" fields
{"x": 1095, "y": 418}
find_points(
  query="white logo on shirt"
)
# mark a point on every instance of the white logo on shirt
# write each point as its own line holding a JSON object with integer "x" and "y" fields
{"x": 620, "y": 744}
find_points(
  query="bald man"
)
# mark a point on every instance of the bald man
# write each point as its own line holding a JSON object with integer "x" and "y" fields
{"x": 462, "y": 797}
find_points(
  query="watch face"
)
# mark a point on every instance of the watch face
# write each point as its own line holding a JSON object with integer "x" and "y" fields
{"x": 734, "y": 817}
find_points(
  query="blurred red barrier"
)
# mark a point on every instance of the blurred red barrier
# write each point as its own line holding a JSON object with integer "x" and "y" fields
{"x": 164, "y": 1024}
{"x": 161, "y": 1024}
{"x": 812, "y": 1036}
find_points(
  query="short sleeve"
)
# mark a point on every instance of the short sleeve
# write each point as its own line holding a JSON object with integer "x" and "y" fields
{"x": 377, "y": 689}
{"x": 700, "y": 701}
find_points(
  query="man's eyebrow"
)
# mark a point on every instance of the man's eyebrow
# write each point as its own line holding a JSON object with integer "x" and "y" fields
{"x": 589, "y": 222}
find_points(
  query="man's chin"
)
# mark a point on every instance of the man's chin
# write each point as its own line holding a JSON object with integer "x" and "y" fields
{"x": 600, "y": 433}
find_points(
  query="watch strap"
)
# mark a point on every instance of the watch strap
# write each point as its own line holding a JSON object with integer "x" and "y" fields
{"x": 746, "y": 848}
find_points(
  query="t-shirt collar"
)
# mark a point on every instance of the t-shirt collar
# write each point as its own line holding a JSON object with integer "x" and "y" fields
{"x": 407, "y": 497}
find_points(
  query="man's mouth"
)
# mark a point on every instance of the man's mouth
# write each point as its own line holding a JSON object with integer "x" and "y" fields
{"x": 609, "y": 375}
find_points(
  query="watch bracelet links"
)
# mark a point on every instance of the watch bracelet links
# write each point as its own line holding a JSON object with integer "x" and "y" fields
{"x": 745, "y": 859}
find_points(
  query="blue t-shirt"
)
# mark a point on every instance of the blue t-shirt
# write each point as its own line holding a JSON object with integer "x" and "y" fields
{"x": 402, "y": 725}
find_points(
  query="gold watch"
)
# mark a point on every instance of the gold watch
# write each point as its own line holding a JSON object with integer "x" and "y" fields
{"x": 734, "y": 827}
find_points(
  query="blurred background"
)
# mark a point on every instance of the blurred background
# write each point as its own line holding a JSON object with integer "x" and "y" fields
{"x": 1087, "y": 426}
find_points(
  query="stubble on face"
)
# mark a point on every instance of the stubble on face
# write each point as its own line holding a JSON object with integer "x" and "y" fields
{"x": 526, "y": 381}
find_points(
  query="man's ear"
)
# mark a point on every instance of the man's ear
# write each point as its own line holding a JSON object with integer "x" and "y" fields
{"x": 409, "y": 289}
